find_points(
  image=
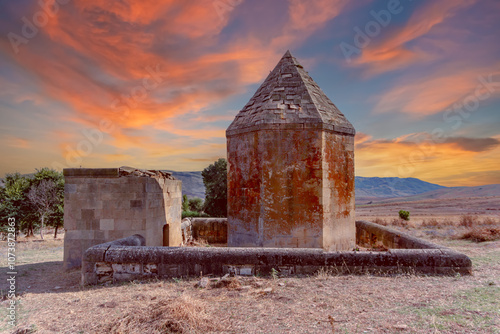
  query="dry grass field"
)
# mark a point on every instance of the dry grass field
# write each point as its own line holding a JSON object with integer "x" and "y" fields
{"x": 52, "y": 301}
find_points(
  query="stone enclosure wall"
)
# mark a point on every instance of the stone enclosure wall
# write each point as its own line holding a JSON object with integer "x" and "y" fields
{"x": 102, "y": 205}
{"x": 118, "y": 261}
{"x": 212, "y": 230}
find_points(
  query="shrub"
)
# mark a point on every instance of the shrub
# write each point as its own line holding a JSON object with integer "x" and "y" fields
{"x": 468, "y": 220}
{"x": 405, "y": 215}
{"x": 196, "y": 204}
{"x": 481, "y": 234}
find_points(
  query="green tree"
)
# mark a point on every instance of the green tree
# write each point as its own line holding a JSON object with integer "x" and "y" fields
{"x": 185, "y": 203}
{"x": 43, "y": 197}
{"x": 196, "y": 204}
{"x": 55, "y": 212}
{"x": 14, "y": 203}
{"x": 215, "y": 181}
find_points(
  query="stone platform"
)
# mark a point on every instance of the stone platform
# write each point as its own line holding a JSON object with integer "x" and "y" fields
{"x": 128, "y": 259}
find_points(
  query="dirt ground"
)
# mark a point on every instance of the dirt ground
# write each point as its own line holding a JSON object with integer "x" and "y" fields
{"x": 52, "y": 301}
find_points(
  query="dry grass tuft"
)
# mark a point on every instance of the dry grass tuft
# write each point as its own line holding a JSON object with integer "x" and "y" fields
{"x": 448, "y": 222}
{"x": 379, "y": 221}
{"x": 432, "y": 222}
{"x": 231, "y": 283}
{"x": 481, "y": 234}
{"x": 399, "y": 222}
{"x": 178, "y": 315}
{"x": 489, "y": 221}
{"x": 198, "y": 243}
{"x": 402, "y": 223}
{"x": 468, "y": 221}
{"x": 324, "y": 273}
{"x": 379, "y": 247}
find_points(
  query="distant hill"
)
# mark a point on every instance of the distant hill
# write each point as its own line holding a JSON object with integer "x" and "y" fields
{"x": 366, "y": 187}
{"x": 192, "y": 183}
{"x": 490, "y": 190}
{"x": 388, "y": 187}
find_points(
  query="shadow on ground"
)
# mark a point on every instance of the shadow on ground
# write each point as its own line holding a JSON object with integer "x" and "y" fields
{"x": 42, "y": 277}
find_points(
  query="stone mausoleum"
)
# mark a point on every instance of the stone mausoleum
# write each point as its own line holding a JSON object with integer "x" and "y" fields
{"x": 107, "y": 204}
{"x": 291, "y": 167}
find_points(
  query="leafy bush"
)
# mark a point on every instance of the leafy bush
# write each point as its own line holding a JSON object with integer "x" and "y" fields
{"x": 405, "y": 215}
{"x": 196, "y": 204}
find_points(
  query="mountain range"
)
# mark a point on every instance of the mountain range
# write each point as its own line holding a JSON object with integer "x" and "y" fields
{"x": 369, "y": 188}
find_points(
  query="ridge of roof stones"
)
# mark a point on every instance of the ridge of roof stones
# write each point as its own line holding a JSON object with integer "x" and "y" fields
{"x": 290, "y": 96}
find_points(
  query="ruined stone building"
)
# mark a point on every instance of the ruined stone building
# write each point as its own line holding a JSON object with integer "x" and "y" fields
{"x": 291, "y": 166}
{"x": 106, "y": 204}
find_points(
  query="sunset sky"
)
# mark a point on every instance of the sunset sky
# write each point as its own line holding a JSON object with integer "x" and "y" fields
{"x": 154, "y": 84}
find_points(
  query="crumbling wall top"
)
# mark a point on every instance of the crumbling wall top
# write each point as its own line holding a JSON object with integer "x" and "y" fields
{"x": 123, "y": 171}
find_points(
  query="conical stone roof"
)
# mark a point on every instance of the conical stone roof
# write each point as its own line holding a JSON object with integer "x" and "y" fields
{"x": 289, "y": 96}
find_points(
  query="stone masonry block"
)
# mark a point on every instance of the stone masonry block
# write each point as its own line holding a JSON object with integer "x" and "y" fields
{"x": 107, "y": 224}
{"x": 70, "y": 188}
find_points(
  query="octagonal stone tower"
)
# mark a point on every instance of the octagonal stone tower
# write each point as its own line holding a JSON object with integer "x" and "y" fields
{"x": 290, "y": 158}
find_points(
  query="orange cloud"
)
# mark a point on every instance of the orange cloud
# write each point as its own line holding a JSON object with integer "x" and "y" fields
{"x": 444, "y": 162}
{"x": 306, "y": 16}
{"x": 392, "y": 52}
{"x": 437, "y": 92}
{"x": 17, "y": 142}
{"x": 133, "y": 65}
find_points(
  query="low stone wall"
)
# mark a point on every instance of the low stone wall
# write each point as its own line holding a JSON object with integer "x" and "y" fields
{"x": 370, "y": 234}
{"x": 128, "y": 259}
{"x": 213, "y": 230}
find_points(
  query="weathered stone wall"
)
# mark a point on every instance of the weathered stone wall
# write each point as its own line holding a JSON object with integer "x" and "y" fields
{"x": 117, "y": 261}
{"x": 370, "y": 234}
{"x": 100, "y": 205}
{"x": 213, "y": 230}
{"x": 291, "y": 188}
{"x": 275, "y": 189}
{"x": 291, "y": 166}
{"x": 339, "y": 229}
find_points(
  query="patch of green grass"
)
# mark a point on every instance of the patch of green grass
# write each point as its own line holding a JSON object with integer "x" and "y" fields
{"x": 486, "y": 259}
{"x": 470, "y": 310}
{"x": 39, "y": 255}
